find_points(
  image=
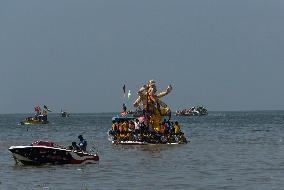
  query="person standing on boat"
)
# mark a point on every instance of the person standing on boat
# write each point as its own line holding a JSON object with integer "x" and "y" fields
{"x": 83, "y": 143}
{"x": 124, "y": 107}
{"x": 124, "y": 110}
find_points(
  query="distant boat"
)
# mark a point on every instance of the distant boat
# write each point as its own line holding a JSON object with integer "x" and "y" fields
{"x": 193, "y": 111}
{"x": 39, "y": 118}
{"x": 65, "y": 114}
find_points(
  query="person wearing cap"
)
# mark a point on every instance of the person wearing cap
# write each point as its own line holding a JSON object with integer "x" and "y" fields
{"x": 83, "y": 143}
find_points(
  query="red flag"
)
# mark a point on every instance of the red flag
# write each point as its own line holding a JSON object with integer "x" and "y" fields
{"x": 37, "y": 109}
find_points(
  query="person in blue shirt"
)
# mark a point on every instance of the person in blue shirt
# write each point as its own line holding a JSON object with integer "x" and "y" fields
{"x": 83, "y": 143}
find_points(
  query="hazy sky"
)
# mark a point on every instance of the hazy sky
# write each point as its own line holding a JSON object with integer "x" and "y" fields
{"x": 224, "y": 54}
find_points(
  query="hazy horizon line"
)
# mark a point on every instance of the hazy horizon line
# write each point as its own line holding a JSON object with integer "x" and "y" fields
{"x": 119, "y": 112}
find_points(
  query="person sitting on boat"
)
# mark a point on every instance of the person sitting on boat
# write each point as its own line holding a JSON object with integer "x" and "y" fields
{"x": 44, "y": 115}
{"x": 125, "y": 126}
{"x": 170, "y": 128}
{"x": 164, "y": 127}
{"x": 124, "y": 110}
{"x": 142, "y": 127}
{"x": 74, "y": 146}
{"x": 137, "y": 126}
{"x": 115, "y": 129}
{"x": 82, "y": 143}
{"x": 131, "y": 127}
{"x": 177, "y": 128}
{"x": 29, "y": 119}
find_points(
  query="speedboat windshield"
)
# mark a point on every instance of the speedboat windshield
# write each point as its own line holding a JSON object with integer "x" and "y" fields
{"x": 46, "y": 143}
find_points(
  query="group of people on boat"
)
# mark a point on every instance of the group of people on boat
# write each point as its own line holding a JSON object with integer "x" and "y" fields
{"x": 40, "y": 115}
{"x": 138, "y": 130}
{"x": 149, "y": 126}
{"x": 195, "y": 110}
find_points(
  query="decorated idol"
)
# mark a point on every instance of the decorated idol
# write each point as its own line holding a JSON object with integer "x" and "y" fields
{"x": 154, "y": 108}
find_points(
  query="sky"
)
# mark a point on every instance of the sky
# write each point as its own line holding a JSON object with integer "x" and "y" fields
{"x": 227, "y": 55}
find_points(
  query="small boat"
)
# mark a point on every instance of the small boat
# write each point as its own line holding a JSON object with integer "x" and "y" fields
{"x": 130, "y": 113}
{"x": 193, "y": 111}
{"x": 122, "y": 118}
{"x": 46, "y": 152}
{"x": 38, "y": 120}
{"x": 65, "y": 114}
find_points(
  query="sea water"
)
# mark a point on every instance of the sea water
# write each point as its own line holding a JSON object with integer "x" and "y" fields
{"x": 227, "y": 150}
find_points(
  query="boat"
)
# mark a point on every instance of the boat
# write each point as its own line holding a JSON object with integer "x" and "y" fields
{"x": 193, "y": 111}
{"x": 135, "y": 113}
{"x": 39, "y": 118}
{"x": 142, "y": 143}
{"x": 144, "y": 136}
{"x": 65, "y": 114}
{"x": 47, "y": 152}
{"x": 148, "y": 124}
{"x": 122, "y": 118}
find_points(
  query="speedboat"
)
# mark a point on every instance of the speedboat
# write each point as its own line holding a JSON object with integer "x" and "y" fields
{"x": 46, "y": 152}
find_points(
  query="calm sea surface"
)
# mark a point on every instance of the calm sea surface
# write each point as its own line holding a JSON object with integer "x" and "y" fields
{"x": 227, "y": 150}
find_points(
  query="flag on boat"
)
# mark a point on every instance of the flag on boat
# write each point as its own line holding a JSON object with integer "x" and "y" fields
{"x": 129, "y": 94}
{"x": 124, "y": 90}
{"x": 37, "y": 109}
{"x": 45, "y": 107}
